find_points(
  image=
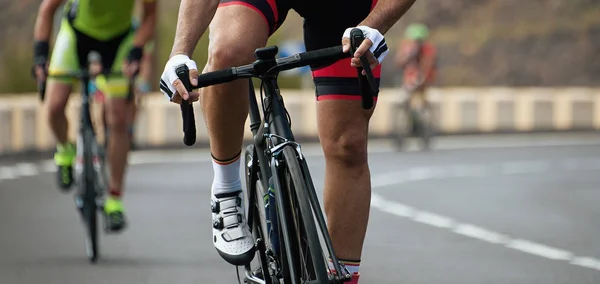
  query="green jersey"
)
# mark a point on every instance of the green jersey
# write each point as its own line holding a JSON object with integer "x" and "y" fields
{"x": 101, "y": 19}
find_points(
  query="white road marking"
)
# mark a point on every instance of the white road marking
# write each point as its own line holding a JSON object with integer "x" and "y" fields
{"x": 586, "y": 262}
{"x": 392, "y": 207}
{"x": 539, "y": 249}
{"x": 26, "y": 169}
{"x": 7, "y": 173}
{"x": 479, "y": 233}
{"x": 433, "y": 219}
{"x": 482, "y": 234}
{"x": 48, "y": 166}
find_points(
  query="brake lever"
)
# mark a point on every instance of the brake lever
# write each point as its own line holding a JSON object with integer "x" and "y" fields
{"x": 356, "y": 39}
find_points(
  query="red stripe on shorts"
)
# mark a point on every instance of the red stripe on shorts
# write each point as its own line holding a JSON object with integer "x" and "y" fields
{"x": 249, "y": 6}
{"x": 373, "y": 3}
{"x": 342, "y": 68}
{"x": 273, "y": 5}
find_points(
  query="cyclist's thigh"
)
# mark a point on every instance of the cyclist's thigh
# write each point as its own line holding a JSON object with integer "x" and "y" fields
{"x": 342, "y": 123}
{"x": 62, "y": 61}
{"x": 241, "y": 26}
{"x": 324, "y": 28}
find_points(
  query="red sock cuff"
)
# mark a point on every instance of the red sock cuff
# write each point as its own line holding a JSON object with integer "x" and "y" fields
{"x": 114, "y": 193}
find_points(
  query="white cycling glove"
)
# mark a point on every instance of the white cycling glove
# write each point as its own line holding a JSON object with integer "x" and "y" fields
{"x": 169, "y": 76}
{"x": 379, "y": 47}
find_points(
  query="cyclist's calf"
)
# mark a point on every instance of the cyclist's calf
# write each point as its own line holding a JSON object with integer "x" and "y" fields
{"x": 57, "y": 97}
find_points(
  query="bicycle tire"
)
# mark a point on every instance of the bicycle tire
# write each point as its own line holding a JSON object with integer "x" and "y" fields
{"x": 306, "y": 226}
{"x": 91, "y": 220}
{"x": 88, "y": 194}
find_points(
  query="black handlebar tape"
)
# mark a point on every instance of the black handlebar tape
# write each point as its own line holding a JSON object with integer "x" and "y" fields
{"x": 216, "y": 77}
{"x": 331, "y": 54}
{"x": 364, "y": 82}
{"x": 187, "y": 110}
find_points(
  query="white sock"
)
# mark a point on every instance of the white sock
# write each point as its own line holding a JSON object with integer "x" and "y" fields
{"x": 226, "y": 177}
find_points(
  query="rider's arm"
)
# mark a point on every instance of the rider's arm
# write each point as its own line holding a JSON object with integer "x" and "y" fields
{"x": 193, "y": 20}
{"x": 386, "y": 13}
{"x": 43, "y": 23}
{"x": 400, "y": 59}
{"x": 146, "y": 29}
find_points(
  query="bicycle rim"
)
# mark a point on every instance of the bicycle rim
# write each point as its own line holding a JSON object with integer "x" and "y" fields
{"x": 309, "y": 262}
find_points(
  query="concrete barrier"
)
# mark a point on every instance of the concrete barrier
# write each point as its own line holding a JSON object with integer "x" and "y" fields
{"x": 23, "y": 119}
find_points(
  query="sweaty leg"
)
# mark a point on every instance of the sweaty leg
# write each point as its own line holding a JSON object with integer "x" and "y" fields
{"x": 235, "y": 32}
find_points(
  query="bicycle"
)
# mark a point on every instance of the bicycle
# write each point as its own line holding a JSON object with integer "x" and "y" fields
{"x": 90, "y": 166}
{"x": 407, "y": 122}
{"x": 286, "y": 219}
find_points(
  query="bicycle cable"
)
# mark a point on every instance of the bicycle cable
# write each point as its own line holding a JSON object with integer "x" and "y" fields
{"x": 266, "y": 112}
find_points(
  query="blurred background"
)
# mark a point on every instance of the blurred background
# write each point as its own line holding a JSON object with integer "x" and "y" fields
{"x": 498, "y": 170}
{"x": 480, "y": 42}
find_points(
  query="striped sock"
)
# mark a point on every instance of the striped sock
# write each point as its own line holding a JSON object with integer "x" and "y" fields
{"x": 352, "y": 266}
{"x": 227, "y": 175}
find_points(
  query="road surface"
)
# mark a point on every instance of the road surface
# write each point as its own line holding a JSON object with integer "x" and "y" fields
{"x": 510, "y": 209}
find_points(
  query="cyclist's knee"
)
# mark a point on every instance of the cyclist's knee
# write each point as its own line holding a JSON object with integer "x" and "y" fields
{"x": 57, "y": 95}
{"x": 224, "y": 54}
{"x": 117, "y": 115}
{"x": 229, "y": 25}
{"x": 348, "y": 149}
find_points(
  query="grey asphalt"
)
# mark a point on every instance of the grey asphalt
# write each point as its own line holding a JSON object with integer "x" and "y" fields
{"x": 169, "y": 235}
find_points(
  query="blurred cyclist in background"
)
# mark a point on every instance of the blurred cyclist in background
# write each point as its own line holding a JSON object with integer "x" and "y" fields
{"x": 417, "y": 57}
{"x": 142, "y": 87}
{"x": 104, "y": 26}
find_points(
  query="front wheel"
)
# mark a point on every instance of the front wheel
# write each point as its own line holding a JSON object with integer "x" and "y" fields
{"x": 401, "y": 125}
{"x": 308, "y": 263}
{"x": 91, "y": 240}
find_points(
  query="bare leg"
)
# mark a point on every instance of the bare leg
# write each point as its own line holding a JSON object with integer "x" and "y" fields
{"x": 118, "y": 147}
{"x": 343, "y": 127}
{"x": 225, "y": 106}
{"x": 56, "y": 100}
{"x": 225, "y": 109}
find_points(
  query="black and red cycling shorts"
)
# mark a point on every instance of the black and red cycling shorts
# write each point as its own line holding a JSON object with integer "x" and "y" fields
{"x": 324, "y": 24}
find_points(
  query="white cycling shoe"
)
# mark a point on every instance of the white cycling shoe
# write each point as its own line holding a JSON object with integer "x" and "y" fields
{"x": 231, "y": 235}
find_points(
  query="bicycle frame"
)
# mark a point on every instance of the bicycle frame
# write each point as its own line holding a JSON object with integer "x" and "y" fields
{"x": 266, "y": 133}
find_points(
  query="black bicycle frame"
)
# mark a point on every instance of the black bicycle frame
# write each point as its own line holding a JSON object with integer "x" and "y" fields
{"x": 277, "y": 121}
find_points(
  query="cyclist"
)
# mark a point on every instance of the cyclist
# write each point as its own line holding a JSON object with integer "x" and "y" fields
{"x": 142, "y": 88}
{"x": 417, "y": 57}
{"x": 237, "y": 28}
{"x": 106, "y": 27}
